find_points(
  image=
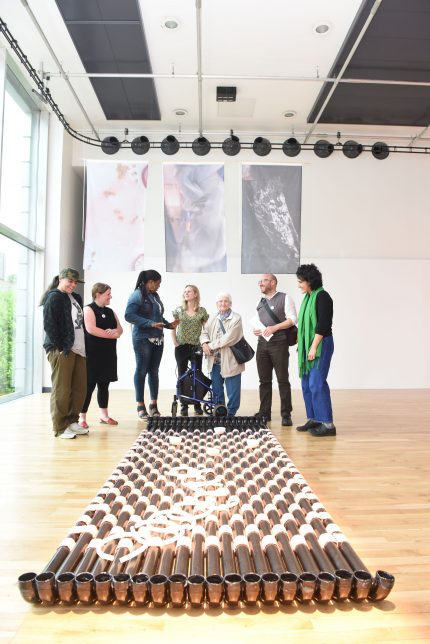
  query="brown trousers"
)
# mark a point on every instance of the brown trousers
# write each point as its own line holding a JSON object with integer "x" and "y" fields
{"x": 69, "y": 388}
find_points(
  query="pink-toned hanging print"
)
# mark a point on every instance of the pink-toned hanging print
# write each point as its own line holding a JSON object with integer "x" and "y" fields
{"x": 115, "y": 212}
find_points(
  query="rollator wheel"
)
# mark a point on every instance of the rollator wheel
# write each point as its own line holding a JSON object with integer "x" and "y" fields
{"x": 174, "y": 409}
{"x": 220, "y": 410}
{"x": 207, "y": 409}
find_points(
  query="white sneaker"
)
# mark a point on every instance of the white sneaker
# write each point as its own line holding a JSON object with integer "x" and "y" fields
{"x": 77, "y": 429}
{"x": 68, "y": 433}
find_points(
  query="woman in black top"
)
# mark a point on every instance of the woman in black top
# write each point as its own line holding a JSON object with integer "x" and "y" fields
{"x": 102, "y": 330}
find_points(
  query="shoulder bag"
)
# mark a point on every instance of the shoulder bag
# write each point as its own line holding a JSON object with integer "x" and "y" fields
{"x": 291, "y": 331}
{"x": 242, "y": 350}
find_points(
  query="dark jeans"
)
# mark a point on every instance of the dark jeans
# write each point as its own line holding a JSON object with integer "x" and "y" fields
{"x": 148, "y": 358}
{"x": 274, "y": 355}
{"x": 316, "y": 392}
{"x": 232, "y": 385}
{"x": 102, "y": 395}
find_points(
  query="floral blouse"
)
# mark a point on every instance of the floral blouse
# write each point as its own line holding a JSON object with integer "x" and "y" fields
{"x": 190, "y": 326}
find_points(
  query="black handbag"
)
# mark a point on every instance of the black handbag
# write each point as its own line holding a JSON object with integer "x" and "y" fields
{"x": 242, "y": 350}
{"x": 291, "y": 332}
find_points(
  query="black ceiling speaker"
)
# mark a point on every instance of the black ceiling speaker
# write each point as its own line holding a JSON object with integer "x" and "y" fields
{"x": 140, "y": 145}
{"x": 231, "y": 146}
{"x": 352, "y": 149}
{"x": 261, "y": 146}
{"x": 201, "y": 146}
{"x": 170, "y": 145}
{"x": 110, "y": 145}
{"x": 380, "y": 150}
{"x": 291, "y": 147}
{"x": 323, "y": 149}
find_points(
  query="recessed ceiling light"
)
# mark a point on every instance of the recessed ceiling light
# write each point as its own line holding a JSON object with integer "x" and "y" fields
{"x": 180, "y": 112}
{"x": 322, "y": 28}
{"x": 289, "y": 114}
{"x": 171, "y": 23}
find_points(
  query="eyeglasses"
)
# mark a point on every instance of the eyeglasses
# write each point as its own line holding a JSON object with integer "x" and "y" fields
{"x": 265, "y": 280}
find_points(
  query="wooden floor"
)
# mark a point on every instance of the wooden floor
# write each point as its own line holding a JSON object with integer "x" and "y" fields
{"x": 374, "y": 478}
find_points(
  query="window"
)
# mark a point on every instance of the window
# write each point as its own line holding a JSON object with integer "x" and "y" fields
{"x": 18, "y": 250}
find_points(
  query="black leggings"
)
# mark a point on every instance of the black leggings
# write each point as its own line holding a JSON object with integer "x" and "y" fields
{"x": 102, "y": 395}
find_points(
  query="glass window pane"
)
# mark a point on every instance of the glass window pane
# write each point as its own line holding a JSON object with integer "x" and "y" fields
{"x": 16, "y": 317}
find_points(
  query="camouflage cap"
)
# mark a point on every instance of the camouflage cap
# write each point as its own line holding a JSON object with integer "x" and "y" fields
{"x": 71, "y": 274}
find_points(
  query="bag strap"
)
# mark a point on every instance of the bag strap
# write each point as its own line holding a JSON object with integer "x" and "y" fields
{"x": 221, "y": 325}
{"x": 270, "y": 312}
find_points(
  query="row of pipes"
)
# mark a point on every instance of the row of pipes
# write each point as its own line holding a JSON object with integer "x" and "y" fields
{"x": 200, "y": 514}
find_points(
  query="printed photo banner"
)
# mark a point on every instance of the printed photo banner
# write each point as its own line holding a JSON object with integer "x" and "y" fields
{"x": 271, "y": 211}
{"x": 115, "y": 212}
{"x": 194, "y": 217}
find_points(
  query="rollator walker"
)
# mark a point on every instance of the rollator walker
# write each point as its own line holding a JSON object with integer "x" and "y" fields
{"x": 194, "y": 387}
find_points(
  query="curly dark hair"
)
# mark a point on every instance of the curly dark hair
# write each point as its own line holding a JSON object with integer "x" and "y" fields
{"x": 311, "y": 274}
{"x": 144, "y": 278}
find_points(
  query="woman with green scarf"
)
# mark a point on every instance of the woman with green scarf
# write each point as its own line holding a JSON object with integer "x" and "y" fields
{"x": 315, "y": 348}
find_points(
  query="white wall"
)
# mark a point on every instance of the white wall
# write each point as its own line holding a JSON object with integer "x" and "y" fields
{"x": 365, "y": 223}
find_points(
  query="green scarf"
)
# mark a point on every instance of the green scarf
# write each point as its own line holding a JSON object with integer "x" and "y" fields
{"x": 306, "y": 332}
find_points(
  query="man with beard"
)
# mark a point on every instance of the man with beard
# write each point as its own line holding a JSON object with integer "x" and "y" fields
{"x": 277, "y": 313}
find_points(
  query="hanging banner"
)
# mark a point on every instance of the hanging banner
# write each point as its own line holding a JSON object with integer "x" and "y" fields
{"x": 194, "y": 217}
{"x": 271, "y": 211}
{"x": 116, "y": 197}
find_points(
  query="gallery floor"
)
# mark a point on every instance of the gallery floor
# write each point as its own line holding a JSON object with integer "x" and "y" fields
{"x": 373, "y": 478}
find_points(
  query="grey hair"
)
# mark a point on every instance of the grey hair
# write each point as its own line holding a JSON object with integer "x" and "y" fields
{"x": 223, "y": 295}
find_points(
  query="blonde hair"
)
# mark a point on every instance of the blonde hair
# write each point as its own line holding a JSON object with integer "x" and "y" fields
{"x": 196, "y": 300}
{"x": 98, "y": 289}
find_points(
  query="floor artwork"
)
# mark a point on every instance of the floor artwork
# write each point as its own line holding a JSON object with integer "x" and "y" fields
{"x": 205, "y": 512}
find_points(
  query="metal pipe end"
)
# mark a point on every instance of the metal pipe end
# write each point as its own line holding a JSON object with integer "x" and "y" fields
{"x": 269, "y": 587}
{"x": 251, "y": 588}
{"x": 306, "y": 587}
{"x": 158, "y": 586}
{"x": 46, "y": 589}
{"x": 287, "y": 587}
{"x": 27, "y": 587}
{"x": 103, "y": 588}
{"x": 325, "y": 587}
{"x": 140, "y": 589}
{"x": 121, "y": 587}
{"x": 381, "y": 586}
{"x": 233, "y": 584}
{"x": 343, "y": 584}
{"x": 66, "y": 588}
{"x": 178, "y": 590}
{"x": 215, "y": 590}
{"x": 361, "y": 585}
{"x": 85, "y": 587}
{"x": 196, "y": 590}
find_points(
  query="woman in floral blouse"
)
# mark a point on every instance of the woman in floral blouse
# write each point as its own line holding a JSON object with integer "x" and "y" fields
{"x": 186, "y": 336}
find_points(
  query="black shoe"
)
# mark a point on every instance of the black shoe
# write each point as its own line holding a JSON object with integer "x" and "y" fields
{"x": 322, "y": 430}
{"x": 308, "y": 425}
{"x": 153, "y": 410}
{"x": 184, "y": 410}
{"x": 198, "y": 411}
{"x": 141, "y": 412}
{"x": 286, "y": 421}
{"x": 263, "y": 416}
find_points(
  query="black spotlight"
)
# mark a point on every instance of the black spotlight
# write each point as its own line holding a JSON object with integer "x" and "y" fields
{"x": 231, "y": 146}
{"x": 261, "y": 146}
{"x": 110, "y": 145}
{"x": 323, "y": 149}
{"x": 201, "y": 146}
{"x": 291, "y": 147}
{"x": 170, "y": 145}
{"x": 380, "y": 150}
{"x": 352, "y": 149}
{"x": 140, "y": 145}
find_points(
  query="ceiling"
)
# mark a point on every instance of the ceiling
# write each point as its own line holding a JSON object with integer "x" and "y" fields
{"x": 367, "y": 76}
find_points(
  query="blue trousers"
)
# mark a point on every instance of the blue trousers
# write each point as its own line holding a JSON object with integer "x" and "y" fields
{"x": 148, "y": 358}
{"x": 232, "y": 385}
{"x": 316, "y": 392}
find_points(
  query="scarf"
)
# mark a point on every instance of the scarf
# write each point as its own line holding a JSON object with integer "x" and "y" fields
{"x": 306, "y": 332}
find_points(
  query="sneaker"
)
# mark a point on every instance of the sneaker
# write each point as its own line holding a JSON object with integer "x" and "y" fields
{"x": 153, "y": 410}
{"x": 77, "y": 429}
{"x": 261, "y": 415}
{"x": 142, "y": 412}
{"x": 286, "y": 421}
{"x": 323, "y": 430}
{"x": 309, "y": 424}
{"x": 68, "y": 433}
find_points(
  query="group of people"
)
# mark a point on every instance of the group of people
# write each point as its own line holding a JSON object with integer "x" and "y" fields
{"x": 80, "y": 344}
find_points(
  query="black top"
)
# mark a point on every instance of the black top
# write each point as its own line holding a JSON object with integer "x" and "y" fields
{"x": 324, "y": 306}
{"x": 101, "y": 352}
{"x": 57, "y": 321}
